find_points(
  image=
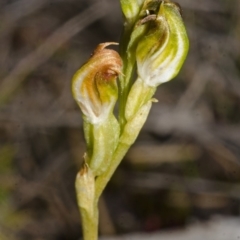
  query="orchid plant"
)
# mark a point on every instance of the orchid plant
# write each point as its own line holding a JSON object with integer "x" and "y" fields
{"x": 154, "y": 45}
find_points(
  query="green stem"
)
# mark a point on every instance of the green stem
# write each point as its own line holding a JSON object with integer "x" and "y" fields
{"x": 127, "y": 71}
{"x": 89, "y": 224}
{"x": 124, "y": 91}
{"x": 85, "y": 189}
{"x": 103, "y": 179}
{"x": 139, "y": 95}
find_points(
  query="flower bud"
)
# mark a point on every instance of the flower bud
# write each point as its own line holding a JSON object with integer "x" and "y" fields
{"x": 94, "y": 85}
{"x": 131, "y": 8}
{"x": 161, "y": 52}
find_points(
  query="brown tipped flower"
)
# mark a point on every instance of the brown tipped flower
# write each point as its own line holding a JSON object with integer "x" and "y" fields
{"x": 94, "y": 85}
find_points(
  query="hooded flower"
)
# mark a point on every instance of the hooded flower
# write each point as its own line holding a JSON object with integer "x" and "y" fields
{"x": 94, "y": 85}
{"x": 161, "y": 52}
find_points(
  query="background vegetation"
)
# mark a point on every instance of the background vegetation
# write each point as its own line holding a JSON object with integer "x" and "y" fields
{"x": 185, "y": 165}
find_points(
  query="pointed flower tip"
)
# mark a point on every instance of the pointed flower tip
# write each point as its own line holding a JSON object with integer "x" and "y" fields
{"x": 101, "y": 46}
{"x": 94, "y": 85}
{"x": 162, "y": 51}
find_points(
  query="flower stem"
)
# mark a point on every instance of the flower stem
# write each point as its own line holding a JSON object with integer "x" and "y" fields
{"x": 103, "y": 179}
{"x": 89, "y": 224}
{"x": 88, "y": 207}
{"x": 127, "y": 71}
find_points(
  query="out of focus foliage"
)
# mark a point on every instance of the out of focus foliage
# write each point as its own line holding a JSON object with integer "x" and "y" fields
{"x": 185, "y": 164}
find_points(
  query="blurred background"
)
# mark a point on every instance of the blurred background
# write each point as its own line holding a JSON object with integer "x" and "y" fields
{"x": 183, "y": 169}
